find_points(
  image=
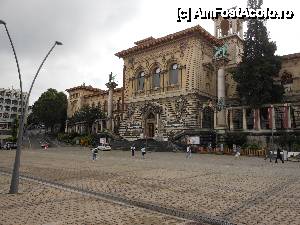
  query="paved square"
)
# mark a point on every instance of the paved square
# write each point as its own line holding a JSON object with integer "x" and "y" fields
{"x": 244, "y": 191}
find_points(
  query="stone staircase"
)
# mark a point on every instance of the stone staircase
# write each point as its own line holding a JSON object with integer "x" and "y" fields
{"x": 155, "y": 146}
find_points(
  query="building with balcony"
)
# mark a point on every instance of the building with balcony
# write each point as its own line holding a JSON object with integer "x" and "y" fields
{"x": 10, "y": 109}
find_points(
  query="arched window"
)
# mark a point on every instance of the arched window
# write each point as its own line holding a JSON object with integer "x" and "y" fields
{"x": 156, "y": 78}
{"x": 141, "y": 81}
{"x": 173, "y": 78}
{"x": 208, "y": 118}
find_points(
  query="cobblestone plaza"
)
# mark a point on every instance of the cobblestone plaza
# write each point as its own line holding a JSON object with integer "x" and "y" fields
{"x": 248, "y": 190}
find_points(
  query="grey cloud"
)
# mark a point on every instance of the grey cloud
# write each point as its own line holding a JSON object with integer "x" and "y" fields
{"x": 83, "y": 27}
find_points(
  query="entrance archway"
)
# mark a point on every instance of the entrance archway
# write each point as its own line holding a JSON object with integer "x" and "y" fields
{"x": 150, "y": 125}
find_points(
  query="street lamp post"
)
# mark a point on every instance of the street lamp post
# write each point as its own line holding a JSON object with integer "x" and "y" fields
{"x": 14, "y": 186}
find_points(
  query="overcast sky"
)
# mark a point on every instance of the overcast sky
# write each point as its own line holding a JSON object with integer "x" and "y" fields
{"x": 92, "y": 31}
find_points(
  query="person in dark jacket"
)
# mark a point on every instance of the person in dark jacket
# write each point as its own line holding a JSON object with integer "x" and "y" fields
{"x": 278, "y": 156}
{"x": 269, "y": 153}
{"x": 132, "y": 148}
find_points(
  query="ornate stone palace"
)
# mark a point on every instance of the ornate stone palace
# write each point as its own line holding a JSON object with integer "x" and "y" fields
{"x": 94, "y": 97}
{"x": 180, "y": 84}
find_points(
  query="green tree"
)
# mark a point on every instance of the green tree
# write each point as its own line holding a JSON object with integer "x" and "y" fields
{"x": 286, "y": 140}
{"x": 88, "y": 115}
{"x": 51, "y": 108}
{"x": 235, "y": 138}
{"x": 255, "y": 74}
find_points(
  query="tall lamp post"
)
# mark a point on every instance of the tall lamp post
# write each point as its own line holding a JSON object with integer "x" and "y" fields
{"x": 14, "y": 185}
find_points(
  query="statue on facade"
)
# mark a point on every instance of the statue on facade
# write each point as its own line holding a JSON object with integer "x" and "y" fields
{"x": 221, "y": 52}
{"x": 112, "y": 78}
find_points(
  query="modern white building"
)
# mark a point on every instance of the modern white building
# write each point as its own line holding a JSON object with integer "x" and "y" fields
{"x": 10, "y": 108}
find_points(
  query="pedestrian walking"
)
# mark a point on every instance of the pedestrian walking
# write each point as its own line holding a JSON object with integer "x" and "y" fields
{"x": 238, "y": 151}
{"x": 269, "y": 153}
{"x": 143, "y": 150}
{"x": 132, "y": 148}
{"x": 94, "y": 153}
{"x": 209, "y": 147}
{"x": 188, "y": 151}
{"x": 222, "y": 148}
{"x": 278, "y": 156}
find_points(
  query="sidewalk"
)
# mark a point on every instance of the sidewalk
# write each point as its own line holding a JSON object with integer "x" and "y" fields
{"x": 38, "y": 204}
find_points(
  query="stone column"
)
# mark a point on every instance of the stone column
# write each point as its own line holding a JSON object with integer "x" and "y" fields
{"x": 110, "y": 85}
{"x": 257, "y": 119}
{"x": 273, "y": 117}
{"x": 289, "y": 117}
{"x": 215, "y": 119}
{"x": 66, "y": 127}
{"x": 221, "y": 115}
{"x": 244, "y": 119}
{"x": 231, "y": 119}
{"x": 221, "y": 96}
{"x": 201, "y": 119}
{"x": 97, "y": 124}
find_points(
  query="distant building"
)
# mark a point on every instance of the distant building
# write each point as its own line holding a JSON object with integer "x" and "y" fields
{"x": 87, "y": 95}
{"x": 10, "y": 109}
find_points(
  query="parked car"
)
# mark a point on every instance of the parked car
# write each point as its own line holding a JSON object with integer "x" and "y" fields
{"x": 104, "y": 147}
{"x": 10, "y": 145}
{"x": 45, "y": 145}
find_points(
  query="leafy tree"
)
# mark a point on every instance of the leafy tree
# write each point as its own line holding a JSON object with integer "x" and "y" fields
{"x": 254, "y": 75}
{"x": 51, "y": 108}
{"x": 88, "y": 115}
{"x": 286, "y": 140}
{"x": 235, "y": 138}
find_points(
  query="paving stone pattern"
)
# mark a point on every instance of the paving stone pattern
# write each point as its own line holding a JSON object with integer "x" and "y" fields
{"x": 243, "y": 191}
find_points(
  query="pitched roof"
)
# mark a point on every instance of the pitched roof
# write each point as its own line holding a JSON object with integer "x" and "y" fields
{"x": 103, "y": 92}
{"x": 150, "y": 42}
{"x": 83, "y": 87}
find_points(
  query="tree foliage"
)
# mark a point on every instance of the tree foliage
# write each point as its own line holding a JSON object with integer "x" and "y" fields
{"x": 87, "y": 115}
{"x": 235, "y": 138}
{"x": 255, "y": 74}
{"x": 50, "y": 108}
{"x": 286, "y": 140}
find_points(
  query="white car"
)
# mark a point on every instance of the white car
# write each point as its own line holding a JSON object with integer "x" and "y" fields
{"x": 104, "y": 147}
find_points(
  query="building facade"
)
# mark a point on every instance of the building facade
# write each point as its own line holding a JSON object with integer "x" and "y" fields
{"x": 87, "y": 95}
{"x": 172, "y": 87}
{"x": 10, "y": 109}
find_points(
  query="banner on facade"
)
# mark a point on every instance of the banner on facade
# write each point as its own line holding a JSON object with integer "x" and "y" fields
{"x": 270, "y": 117}
{"x": 102, "y": 140}
{"x": 286, "y": 117}
{"x": 194, "y": 140}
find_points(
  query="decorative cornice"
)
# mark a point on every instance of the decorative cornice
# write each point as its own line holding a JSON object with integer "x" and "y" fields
{"x": 150, "y": 42}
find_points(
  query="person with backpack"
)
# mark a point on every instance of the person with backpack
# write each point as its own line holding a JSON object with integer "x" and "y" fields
{"x": 94, "y": 153}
